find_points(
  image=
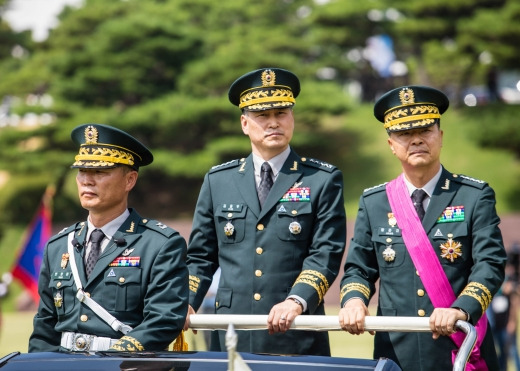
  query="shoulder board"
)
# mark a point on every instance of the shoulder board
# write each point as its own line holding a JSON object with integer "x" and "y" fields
{"x": 318, "y": 164}
{"x": 374, "y": 189}
{"x": 65, "y": 231}
{"x": 469, "y": 181}
{"x": 225, "y": 165}
{"x": 158, "y": 227}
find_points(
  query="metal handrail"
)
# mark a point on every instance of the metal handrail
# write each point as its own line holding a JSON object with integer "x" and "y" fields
{"x": 331, "y": 323}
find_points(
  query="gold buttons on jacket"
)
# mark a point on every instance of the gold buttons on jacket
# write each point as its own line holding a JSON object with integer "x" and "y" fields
{"x": 122, "y": 279}
{"x": 421, "y": 312}
{"x": 417, "y": 273}
{"x": 258, "y": 273}
{"x": 83, "y": 318}
{"x": 260, "y": 227}
{"x": 230, "y": 215}
{"x": 257, "y": 296}
{"x": 259, "y": 250}
{"x": 58, "y": 285}
{"x": 87, "y": 294}
{"x": 294, "y": 212}
{"x": 420, "y": 292}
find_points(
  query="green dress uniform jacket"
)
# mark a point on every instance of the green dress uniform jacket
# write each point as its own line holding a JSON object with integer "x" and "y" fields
{"x": 151, "y": 296}
{"x": 461, "y": 209}
{"x": 267, "y": 258}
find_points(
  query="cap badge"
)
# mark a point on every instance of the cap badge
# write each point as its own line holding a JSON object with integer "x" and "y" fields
{"x": 268, "y": 78}
{"x": 450, "y": 249}
{"x": 406, "y": 95}
{"x": 91, "y": 135}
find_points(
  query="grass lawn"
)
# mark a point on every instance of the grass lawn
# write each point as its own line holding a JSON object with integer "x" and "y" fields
{"x": 17, "y": 327}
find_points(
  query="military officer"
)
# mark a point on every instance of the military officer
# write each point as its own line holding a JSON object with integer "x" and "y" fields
{"x": 116, "y": 281}
{"x": 278, "y": 234}
{"x": 439, "y": 255}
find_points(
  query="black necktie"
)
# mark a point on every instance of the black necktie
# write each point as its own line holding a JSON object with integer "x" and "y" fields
{"x": 266, "y": 182}
{"x": 96, "y": 237}
{"x": 418, "y": 197}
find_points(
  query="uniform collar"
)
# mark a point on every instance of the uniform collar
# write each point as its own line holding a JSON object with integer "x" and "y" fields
{"x": 276, "y": 163}
{"x": 111, "y": 227}
{"x": 428, "y": 187}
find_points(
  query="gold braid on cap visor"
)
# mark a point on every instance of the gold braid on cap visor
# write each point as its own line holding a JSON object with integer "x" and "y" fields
{"x": 263, "y": 95}
{"x": 415, "y": 113}
{"x": 103, "y": 156}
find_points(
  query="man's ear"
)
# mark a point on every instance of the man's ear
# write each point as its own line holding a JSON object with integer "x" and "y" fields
{"x": 245, "y": 124}
{"x": 391, "y": 144}
{"x": 131, "y": 179}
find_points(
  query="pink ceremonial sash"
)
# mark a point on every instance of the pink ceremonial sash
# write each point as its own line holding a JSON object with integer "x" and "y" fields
{"x": 427, "y": 264}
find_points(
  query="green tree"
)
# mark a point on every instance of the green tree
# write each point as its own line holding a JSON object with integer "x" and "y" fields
{"x": 161, "y": 70}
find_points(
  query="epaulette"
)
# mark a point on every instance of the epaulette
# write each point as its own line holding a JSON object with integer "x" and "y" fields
{"x": 158, "y": 227}
{"x": 374, "y": 189}
{"x": 64, "y": 232}
{"x": 225, "y": 165}
{"x": 318, "y": 164}
{"x": 469, "y": 181}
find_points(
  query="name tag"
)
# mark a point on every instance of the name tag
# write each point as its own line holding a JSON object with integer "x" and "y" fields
{"x": 232, "y": 207}
{"x": 66, "y": 275}
{"x": 389, "y": 231}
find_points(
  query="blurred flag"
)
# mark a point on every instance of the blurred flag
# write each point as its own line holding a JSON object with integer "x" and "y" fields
{"x": 380, "y": 53}
{"x": 27, "y": 265}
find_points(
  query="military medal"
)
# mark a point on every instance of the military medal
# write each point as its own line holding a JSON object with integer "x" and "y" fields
{"x": 392, "y": 221}
{"x": 389, "y": 253}
{"x": 295, "y": 228}
{"x": 58, "y": 300}
{"x": 229, "y": 229}
{"x": 450, "y": 249}
{"x": 64, "y": 260}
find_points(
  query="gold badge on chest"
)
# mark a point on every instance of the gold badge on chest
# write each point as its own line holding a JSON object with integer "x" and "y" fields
{"x": 392, "y": 221}
{"x": 229, "y": 229}
{"x": 389, "y": 253}
{"x": 451, "y": 249}
{"x": 295, "y": 228}
{"x": 64, "y": 260}
{"x": 58, "y": 300}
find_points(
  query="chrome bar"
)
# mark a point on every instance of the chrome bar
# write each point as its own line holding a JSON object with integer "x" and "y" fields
{"x": 331, "y": 323}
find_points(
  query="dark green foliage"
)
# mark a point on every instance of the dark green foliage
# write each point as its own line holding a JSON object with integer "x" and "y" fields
{"x": 161, "y": 71}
